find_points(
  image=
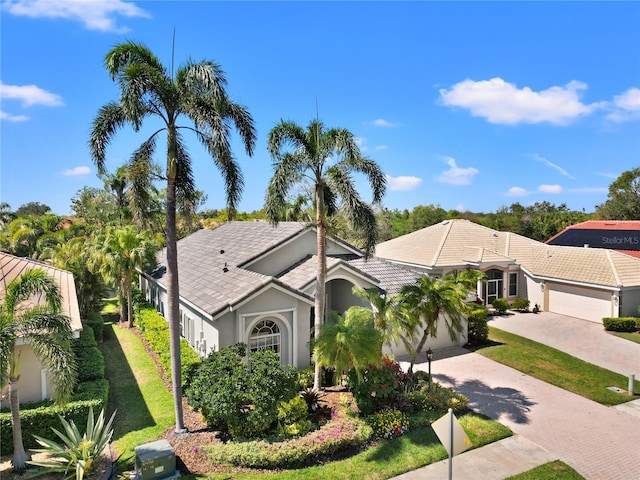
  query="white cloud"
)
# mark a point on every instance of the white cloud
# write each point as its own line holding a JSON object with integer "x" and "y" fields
{"x": 380, "y": 122}
{"x": 94, "y": 15}
{"x": 456, "y": 175}
{"x": 77, "y": 171}
{"x": 12, "y": 118}
{"x": 402, "y": 183}
{"x": 550, "y": 188}
{"x": 517, "y": 192}
{"x": 360, "y": 142}
{"x": 460, "y": 207}
{"x": 608, "y": 175}
{"x": 625, "y": 106}
{"x": 503, "y": 103}
{"x": 30, "y": 95}
{"x": 552, "y": 165}
{"x": 381, "y": 147}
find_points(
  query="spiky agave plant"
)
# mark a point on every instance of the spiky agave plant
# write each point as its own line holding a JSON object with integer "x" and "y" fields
{"x": 76, "y": 455}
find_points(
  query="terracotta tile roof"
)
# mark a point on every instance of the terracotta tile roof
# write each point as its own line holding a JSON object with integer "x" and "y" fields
{"x": 456, "y": 243}
{"x": 11, "y": 267}
{"x": 607, "y": 225}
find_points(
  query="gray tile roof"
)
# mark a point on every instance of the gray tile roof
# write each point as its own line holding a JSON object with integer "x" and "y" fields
{"x": 212, "y": 277}
{"x": 11, "y": 267}
{"x": 209, "y": 262}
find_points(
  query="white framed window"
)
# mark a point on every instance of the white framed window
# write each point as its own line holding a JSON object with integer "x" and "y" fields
{"x": 265, "y": 335}
{"x": 513, "y": 284}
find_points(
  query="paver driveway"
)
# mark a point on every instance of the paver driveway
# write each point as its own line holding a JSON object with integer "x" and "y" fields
{"x": 601, "y": 443}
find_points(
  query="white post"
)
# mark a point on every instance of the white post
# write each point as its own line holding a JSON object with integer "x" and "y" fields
{"x": 632, "y": 379}
{"x": 450, "y": 444}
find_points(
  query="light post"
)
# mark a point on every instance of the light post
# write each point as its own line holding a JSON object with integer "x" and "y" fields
{"x": 429, "y": 358}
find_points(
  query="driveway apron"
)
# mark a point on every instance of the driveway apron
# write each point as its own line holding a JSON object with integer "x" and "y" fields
{"x": 601, "y": 443}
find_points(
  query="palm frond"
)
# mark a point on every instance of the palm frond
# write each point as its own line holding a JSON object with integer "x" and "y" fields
{"x": 110, "y": 117}
{"x": 130, "y": 53}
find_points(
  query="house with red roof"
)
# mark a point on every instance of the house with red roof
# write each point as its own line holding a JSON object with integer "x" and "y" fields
{"x": 620, "y": 235}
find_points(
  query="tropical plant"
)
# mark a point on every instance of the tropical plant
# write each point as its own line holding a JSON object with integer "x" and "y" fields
{"x": 381, "y": 385}
{"x": 429, "y": 300}
{"x": 387, "y": 318}
{"x": 348, "y": 341}
{"x": 198, "y": 92}
{"x": 327, "y": 159}
{"x": 75, "y": 456}
{"x": 118, "y": 254}
{"x": 47, "y": 332}
{"x": 501, "y": 305}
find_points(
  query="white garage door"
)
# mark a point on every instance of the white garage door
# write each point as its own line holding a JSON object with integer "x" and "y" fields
{"x": 580, "y": 302}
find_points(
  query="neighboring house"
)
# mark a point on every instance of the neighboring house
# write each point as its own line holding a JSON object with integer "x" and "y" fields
{"x": 588, "y": 283}
{"x": 33, "y": 382}
{"x": 620, "y": 235}
{"x": 254, "y": 283}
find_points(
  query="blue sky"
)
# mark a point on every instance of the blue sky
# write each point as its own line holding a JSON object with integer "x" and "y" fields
{"x": 467, "y": 105}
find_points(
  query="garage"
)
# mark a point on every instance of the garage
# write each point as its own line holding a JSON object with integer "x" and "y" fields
{"x": 580, "y": 302}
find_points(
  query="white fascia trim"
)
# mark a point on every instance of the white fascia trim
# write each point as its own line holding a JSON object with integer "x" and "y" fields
{"x": 194, "y": 307}
{"x": 409, "y": 264}
{"x": 571, "y": 282}
{"x": 270, "y": 285}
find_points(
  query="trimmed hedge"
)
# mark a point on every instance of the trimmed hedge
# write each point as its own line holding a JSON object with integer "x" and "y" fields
{"x": 40, "y": 420}
{"x": 621, "y": 324}
{"x": 96, "y": 322}
{"x": 478, "y": 328}
{"x": 341, "y": 433}
{"x": 520, "y": 304}
{"x": 89, "y": 359}
{"x": 155, "y": 330}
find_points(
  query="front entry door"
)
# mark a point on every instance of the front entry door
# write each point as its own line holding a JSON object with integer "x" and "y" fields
{"x": 494, "y": 290}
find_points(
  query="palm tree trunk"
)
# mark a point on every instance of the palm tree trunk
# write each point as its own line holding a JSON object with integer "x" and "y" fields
{"x": 121, "y": 297}
{"x": 418, "y": 349}
{"x": 130, "y": 304}
{"x": 173, "y": 292}
{"x": 321, "y": 277}
{"x": 20, "y": 456}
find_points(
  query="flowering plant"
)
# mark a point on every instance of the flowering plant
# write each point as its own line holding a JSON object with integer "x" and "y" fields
{"x": 379, "y": 387}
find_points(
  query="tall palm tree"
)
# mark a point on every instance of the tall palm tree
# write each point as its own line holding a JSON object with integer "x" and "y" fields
{"x": 49, "y": 334}
{"x": 431, "y": 299}
{"x": 348, "y": 341}
{"x": 118, "y": 254}
{"x": 327, "y": 158}
{"x": 197, "y": 91}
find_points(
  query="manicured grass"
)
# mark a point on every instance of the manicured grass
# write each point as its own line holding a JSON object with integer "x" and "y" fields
{"x": 556, "y": 367}
{"x": 388, "y": 459}
{"x": 144, "y": 405}
{"x": 550, "y": 471}
{"x": 110, "y": 306}
{"x": 631, "y": 336}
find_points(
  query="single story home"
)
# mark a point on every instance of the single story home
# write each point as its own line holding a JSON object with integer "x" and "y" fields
{"x": 588, "y": 283}
{"x": 620, "y": 235}
{"x": 254, "y": 283}
{"x": 33, "y": 384}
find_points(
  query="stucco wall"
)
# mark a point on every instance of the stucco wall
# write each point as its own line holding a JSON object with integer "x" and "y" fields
{"x": 630, "y": 303}
{"x": 30, "y": 385}
{"x": 442, "y": 340}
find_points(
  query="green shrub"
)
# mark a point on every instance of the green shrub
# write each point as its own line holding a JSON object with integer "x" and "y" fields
{"x": 380, "y": 386}
{"x": 40, "y": 420}
{"x": 501, "y": 305}
{"x": 439, "y": 399}
{"x": 239, "y": 398}
{"x": 388, "y": 423}
{"x": 478, "y": 328}
{"x": 306, "y": 377}
{"x": 293, "y": 418}
{"x": 90, "y": 363}
{"x": 96, "y": 322}
{"x": 86, "y": 338}
{"x": 621, "y": 324}
{"x": 92, "y": 390}
{"x": 520, "y": 304}
{"x": 341, "y": 433}
{"x": 155, "y": 330}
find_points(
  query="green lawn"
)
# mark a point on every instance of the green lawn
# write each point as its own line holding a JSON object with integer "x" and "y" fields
{"x": 549, "y": 471}
{"x": 556, "y": 367}
{"x": 144, "y": 405}
{"x": 631, "y": 336}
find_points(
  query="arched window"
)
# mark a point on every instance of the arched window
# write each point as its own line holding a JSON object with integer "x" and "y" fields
{"x": 265, "y": 335}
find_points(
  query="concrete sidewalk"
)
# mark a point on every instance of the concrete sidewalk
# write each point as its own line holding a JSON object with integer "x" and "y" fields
{"x": 497, "y": 461}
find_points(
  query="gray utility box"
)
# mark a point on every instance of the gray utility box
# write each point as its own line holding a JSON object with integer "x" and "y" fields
{"x": 155, "y": 460}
